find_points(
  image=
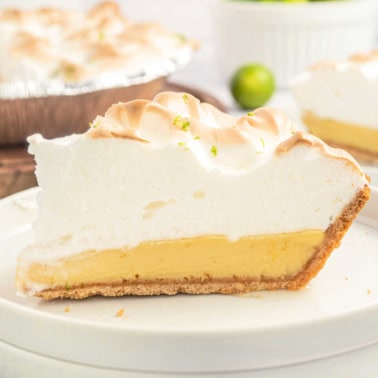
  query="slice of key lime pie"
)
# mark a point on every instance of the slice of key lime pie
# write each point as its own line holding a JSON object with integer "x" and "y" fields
{"x": 173, "y": 196}
{"x": 338, "y": 102}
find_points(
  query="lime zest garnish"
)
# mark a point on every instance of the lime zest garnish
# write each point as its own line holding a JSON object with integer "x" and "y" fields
{"x": 250, "y": 114}
{"x": 176, "y": 120}
{"x": 197, "y": 137}
{"x": 181, "y": 37}
{"x": 183, "y": 144}
{"x": 185, "y": 98}
{"x": 69, "y": 71}
{"x": 214, "y": 150}
{"x": 184, "y": 124}
{"x": 262, "y": 141}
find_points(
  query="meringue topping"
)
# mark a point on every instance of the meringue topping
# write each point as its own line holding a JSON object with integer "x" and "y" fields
{"x": 218, "y": 140}
{"x": 175, "y": 168}
{"x": 52, "y": 44}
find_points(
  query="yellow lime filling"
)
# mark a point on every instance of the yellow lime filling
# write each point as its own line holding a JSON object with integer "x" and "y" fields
{"x": 255, "y": 257}
{"x": 363, "y": 138}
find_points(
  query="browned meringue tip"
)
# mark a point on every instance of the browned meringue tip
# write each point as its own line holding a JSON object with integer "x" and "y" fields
{"x": 103, "y": 9}
{"x": 301, "y": 137}
{"x": 194, "y": 44}
{"x": 364, "y": 57}
{"x": 357, "y": 58}
{"x": 185, "y": 115}
{"x": 126, "y": 120}
{"x": 322, "y": 65}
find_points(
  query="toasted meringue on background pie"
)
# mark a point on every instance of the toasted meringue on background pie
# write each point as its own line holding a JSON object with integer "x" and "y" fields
{"x": 46, "y": 44}
{"x": 173, "y": 196}
{"x": 338, "y": 101}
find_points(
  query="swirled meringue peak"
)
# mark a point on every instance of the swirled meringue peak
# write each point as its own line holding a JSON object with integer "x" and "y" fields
{"x": 217, "y": 139}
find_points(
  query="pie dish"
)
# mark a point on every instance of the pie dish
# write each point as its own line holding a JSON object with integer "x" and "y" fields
{"x": 172, "y": 195}
{"x": 338, "y": 103}
{"x": 54, "y": 58}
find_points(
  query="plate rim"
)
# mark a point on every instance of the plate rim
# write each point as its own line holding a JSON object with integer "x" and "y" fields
{"x": 242, "y": 342}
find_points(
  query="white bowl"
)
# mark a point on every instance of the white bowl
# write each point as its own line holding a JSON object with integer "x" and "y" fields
{"x": 288, "y": 37}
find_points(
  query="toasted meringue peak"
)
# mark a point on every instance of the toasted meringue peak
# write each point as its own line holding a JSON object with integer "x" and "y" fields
{"x": 186, "y": 117}
{"x": 38, "y": 44}
{"x": 364, "y": 57}
{"x": 217, "y": 139}
{"x": 353, "y": 60}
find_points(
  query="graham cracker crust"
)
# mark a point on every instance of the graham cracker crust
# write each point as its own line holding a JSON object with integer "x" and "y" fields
{"x": 332, "y": 240}
{"x": 235, "y": 285}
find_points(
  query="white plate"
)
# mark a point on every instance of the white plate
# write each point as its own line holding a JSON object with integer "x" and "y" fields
{"x": 335, "y": 314}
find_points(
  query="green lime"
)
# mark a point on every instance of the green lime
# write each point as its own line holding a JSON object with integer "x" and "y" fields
{"x": 252, "y": 85}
